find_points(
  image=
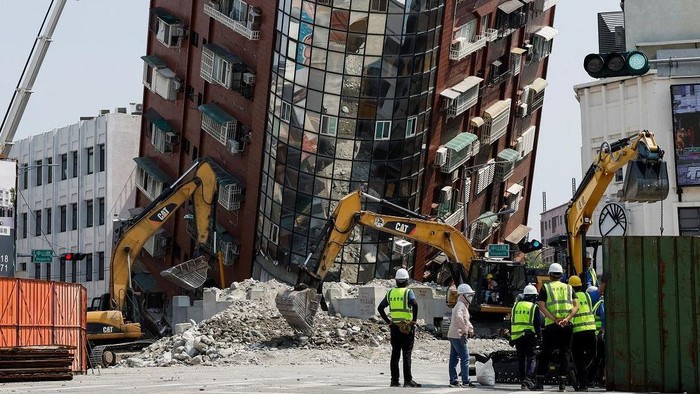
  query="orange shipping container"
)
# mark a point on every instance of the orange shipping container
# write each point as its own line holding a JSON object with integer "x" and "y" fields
{"x": 35, "y": 312}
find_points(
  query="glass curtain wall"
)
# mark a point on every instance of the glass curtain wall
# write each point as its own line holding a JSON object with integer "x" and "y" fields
{"x": 350, "y": 103}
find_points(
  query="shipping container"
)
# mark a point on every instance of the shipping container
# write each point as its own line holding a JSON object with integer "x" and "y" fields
{"x": 652, "y": 310}
{"x": 36, "y": 312}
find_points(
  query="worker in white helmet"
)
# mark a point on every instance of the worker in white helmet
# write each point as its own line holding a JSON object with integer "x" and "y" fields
{"x": 525, "y": 329}
{"x": 558, "y": 302}
{"x": 403, "y": 308}
{"x": 460, "y": 329}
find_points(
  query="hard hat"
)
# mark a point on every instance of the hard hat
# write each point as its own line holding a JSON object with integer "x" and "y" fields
{"x": 401, "y": 274}
{"x": 530, "y": 290}
{"x": 489, "y": 276}
{"x": 556, "y": 268}
{"x": 591, "y": 289}
{"x": 574, "y": 280}
{"x": 464, "y": 289}
{"x": 589, "y": 255}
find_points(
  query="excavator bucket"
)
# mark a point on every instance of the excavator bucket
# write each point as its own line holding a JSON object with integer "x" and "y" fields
{"x": 191, "y": 274}
{"x": 645, "y": 181}
{"x": 299, "y": 308}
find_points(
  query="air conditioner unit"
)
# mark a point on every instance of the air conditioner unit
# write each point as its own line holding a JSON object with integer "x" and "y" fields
{"x": 171, "y": 138}
{"x": 446, "y": 194}
{"x": 178, "y": 31}
{"x": 522, "y": 110}
{"x": 249, "y": 78}
{"x": 441, "y": 157}
{"x": 234, "y": 146}
{"x": 528, "y": 48}
{"x": 455, "y": 176}
{"x": 402, "y": 247}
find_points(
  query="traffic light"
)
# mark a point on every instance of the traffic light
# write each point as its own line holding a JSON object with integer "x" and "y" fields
{"x": 616, "y": 64}
{"x": 73, "y": 256}
{"x": 529, "y": 246}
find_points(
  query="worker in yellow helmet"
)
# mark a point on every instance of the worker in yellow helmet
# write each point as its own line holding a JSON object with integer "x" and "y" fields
{"x": 584, "y": 338}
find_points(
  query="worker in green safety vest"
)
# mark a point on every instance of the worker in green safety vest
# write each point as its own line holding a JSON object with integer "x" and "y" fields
{"x": 584, "y": 339}
{"x": 596, "y": 374}
{"x": 525, "y": 329}
{"x": 404, "y": 313}
{"x": 557, "y": 301}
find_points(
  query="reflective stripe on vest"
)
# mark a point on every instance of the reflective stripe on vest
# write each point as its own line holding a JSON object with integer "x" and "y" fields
{"x": 522, "y": 318}
{"x": 398, "y": 304}
{"x": 598, "y": 320}
{"x": 593, "y": 276}
{"x": 584, "y": 320}
{"x": 559, "y": 301}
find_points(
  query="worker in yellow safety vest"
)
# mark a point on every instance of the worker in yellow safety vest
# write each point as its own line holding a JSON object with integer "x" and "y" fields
{"x": 557, "y": 301}
{"x": 584, "y": 338}
{"x": 596, "y": 373}
{"x": 525, "y": 322}
{"x": 404, "y": 313}
{"x": 589, "y": 271}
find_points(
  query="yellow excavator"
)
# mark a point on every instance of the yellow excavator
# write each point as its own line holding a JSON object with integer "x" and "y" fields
{"x": 113, "y": 320}
{"x": 299, "y": 306}
{"x": 646, "y": 180}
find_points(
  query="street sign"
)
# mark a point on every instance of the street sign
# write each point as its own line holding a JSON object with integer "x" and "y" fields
{"x": 499, "y": 250}
{"x": 42, "y": 255}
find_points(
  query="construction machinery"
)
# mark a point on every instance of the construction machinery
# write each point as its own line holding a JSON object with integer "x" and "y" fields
{"x": 646, "y": 180}
{"x": 299, "y": 306}
{"x": 113, "y": 321}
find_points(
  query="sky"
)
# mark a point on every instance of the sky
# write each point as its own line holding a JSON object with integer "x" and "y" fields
{"x": 94, "y": 63}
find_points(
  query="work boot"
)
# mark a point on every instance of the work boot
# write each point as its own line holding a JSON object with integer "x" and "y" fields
{"x": 395, "y": 384}
{"x": 412, "y": 383}
{"x": 539, "y": 380}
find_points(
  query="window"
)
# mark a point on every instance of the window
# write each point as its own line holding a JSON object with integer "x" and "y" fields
{"x": 37, "y": 222}
{"x": 100, "y": 265}
{"x": 101, "y": 211}
{"x": 167, "y": 28}
{"x": 618, "y": 175}
{"x": 88, "y": 267}
{"x": 62, "y": 273}
{"x": 64, "y": 166}
{"x": 37, "y": 271}
{"x": 90, "y": 159}
{"x": 63, "y": 218}
{"x": 24, "y": 225}
{"x": 75, "y": 163}
{"x": 24, "y": 170}
{"x": 194, "y": 38}
{"x": 542, "y": 42}
{"x": 379, "y": 5}
{"x": 190, "y": 93}
{"x": 102, "y": 157}
{"x": 159, "y": 79}
{"x": 161, "y": 137}
{"x": 286, "y": 111}
{"x": 74, "y": 271}
{"x": 689, "y": 221}
{"x": 411, "y": 126}
{"x": 221, "y": 67}
{"x": 89, "y": 209}
{"x": 239, "y": 10}
{"x": 49, "y": 219}
{"x": 38, "y": 172}
{"x": 49, "y": 170}
{"x": 218, "y": 123}
{"x": 329, "y": 125}
{"x": 274, "y": 233}
{"x": 74, "y": 216}
{"x": 382, "y": 130}
{"x": 48, "y": 271}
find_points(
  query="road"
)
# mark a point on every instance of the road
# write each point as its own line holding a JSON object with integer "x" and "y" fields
{"x": 309, "y": 379}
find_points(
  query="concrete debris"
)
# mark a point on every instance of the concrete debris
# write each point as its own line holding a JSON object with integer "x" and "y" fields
{"x": 250, "y": 329}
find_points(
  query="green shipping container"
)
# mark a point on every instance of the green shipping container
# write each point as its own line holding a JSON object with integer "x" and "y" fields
{"x": 652, "y": 310}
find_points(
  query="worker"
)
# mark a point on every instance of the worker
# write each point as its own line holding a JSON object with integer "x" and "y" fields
{"x": 597, "y": 371}
{"x": 584, "y": 338}
{"x": 589, "y": 271}
{"x": 524, "y": 333}
{"x": 490, "y": 294}
{"x": 557, "y": 301}
{"x": 460, "y": 329}
{"x": 402, "y": 326}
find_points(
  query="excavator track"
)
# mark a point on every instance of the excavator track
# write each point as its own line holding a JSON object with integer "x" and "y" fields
{"x": 298, "y": 307}
{"x": 98, "y": 353}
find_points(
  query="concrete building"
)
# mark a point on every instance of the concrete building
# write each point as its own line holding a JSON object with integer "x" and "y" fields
{"x": 666, "y": 101}
{"x": 71, "y": 182}
{"x": 302, "y": 102}
{"x": 552, "y": 224}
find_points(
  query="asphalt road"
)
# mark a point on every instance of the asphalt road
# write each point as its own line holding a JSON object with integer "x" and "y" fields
{"x": 309, "y": 379}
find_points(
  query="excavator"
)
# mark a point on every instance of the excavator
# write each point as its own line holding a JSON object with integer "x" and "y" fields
{"x": 299, "y": 306}
{"x": 113, "y": 320}
{"x": 646, "y": 180}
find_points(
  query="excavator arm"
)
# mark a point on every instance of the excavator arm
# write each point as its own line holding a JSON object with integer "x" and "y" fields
{"x": 646, "y": 180}
{"x": 299, "y": 306}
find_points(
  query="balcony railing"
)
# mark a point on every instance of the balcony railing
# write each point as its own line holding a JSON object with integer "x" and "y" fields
{"x": 237, "y": 26}
{"x": 491, "y": 35}
{"x": 461, "y": 106}
{"x": 456, "y": 216}
{"x": 462, "y": 49}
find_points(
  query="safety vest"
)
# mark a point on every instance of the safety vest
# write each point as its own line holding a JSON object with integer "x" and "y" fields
{"x": 559, "y": 302}
{"x": 522, "y": 318}
{"x": 584, "y": 320}
{"x": 398, "y": 304}
{"x": 594, "y": 277}
{"x": 598, "y": 320}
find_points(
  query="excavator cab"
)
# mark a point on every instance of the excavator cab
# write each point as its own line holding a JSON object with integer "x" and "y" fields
{"x": 645, "y": 181}
{"x": 498, "y": 294}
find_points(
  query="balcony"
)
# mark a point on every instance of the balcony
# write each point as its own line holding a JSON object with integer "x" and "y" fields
{"x": 455, "y": 217}
{"x": 239, "y": 27}
{"x": 491, "y": 35}
{"x": 461, "y": 48}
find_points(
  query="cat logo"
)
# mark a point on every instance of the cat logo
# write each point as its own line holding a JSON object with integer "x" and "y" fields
{"x": 163, "y": 213}
{"x": 107, "y": 330}
{"x": 379, "y": 222}
{"x": 402, "y": 227}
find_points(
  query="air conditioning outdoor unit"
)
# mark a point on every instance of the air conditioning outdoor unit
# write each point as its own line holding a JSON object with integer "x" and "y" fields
{"x": 446, "y": 194}
{"x": 455, "y": 175}
{"x": 522, "y": 110}
{"x": 171, "y": 137}
{"x": 249, "y": 78}
{"x": 441, "y": 157}
{"x": 234, "y": 146}
{"x": 402, "y": 247}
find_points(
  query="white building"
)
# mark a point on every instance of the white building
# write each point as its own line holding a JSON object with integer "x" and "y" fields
{"x": 71, "y": 182}
{"x": 613, "y": 108}
{"x": 552, "y": 224}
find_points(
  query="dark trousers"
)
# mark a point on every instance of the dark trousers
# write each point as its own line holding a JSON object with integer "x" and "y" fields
{"x": 554, "y": 338}
{"x": 401, "y": 344}
{"x": 584, "y": 350}
{"x": 525, "y": 348}
{"x": 597, "y": 370}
